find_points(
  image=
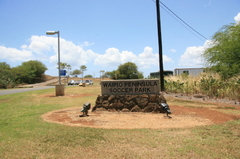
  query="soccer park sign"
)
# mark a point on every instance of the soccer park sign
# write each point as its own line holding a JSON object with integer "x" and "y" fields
{"x": 130, "y": 87}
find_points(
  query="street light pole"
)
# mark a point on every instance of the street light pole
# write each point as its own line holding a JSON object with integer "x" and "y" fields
{"x": 59, "y": 75}
{"x": 53, "y": 33}
{"x": 60, "y": 87}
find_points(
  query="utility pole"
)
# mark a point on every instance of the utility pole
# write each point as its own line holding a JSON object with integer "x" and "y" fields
{"x": 160, "y": 47}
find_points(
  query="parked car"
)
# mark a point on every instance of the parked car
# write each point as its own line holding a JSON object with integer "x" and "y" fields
{"x": 76, "y": 82}
{"x": 89, "y": 82}
{"x": 72, "y": 82}
{"x": 80, "y": 83}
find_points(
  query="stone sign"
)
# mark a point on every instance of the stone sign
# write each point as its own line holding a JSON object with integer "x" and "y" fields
{"x": 130, "y": 87}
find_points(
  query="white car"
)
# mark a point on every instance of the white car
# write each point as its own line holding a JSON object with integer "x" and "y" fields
{"x": 89, "y": 82}
{"x": 72, "y": 82}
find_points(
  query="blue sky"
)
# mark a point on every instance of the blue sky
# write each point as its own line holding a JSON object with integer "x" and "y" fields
{"x": 102, "y": 34}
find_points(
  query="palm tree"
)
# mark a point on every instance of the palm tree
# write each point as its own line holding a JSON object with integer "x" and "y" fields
{"x": 83, "y": 68}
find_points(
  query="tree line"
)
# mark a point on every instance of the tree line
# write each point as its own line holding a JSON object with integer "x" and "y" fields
{"x": 33, "y": 71}
{"x": 28, "y": 72}
{"x": 127, "y": 70}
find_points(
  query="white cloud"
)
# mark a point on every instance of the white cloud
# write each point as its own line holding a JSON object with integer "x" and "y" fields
{"x": 15, "y": 55}
{"x": 192, "y": 57}
{"x": 86, "y": 43}
{"x": 40, "y": 44}
{"x": 167, "y": 59}
{"x": 45, "y": 49}
{"x": 147, "y": 53}
{"x": 173, "y": 50}
{"x": 237, "y": 18}
{"x": 148, "y": 58}
{"x": 113, "y": 58}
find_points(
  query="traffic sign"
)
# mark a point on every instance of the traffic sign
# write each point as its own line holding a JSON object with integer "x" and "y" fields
{"x": 63, "y": 72}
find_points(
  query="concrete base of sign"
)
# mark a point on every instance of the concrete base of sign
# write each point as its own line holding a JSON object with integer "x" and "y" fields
{"x": 59, "y": 90}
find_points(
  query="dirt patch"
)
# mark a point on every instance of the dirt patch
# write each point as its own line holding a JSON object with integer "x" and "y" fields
{"x": 182, "y": 117}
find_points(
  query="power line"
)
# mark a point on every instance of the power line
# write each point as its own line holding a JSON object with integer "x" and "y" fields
{"x": 190, "y": 30}
{"x": 180, "y": 20}
{"x": 183, "y": 21}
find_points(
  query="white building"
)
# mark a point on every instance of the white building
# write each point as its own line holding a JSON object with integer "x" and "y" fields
{"x": 189, "y": 71}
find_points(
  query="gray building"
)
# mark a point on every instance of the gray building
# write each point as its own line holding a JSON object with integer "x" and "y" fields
{"x": 189, "y": 71}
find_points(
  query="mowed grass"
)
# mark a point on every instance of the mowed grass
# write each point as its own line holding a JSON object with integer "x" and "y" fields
{"x": 24, "y": 134}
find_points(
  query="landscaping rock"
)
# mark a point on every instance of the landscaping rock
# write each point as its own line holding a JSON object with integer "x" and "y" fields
{"x": 133, "y": 103}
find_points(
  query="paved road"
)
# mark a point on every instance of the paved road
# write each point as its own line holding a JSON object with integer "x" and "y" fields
{"x": 37, "y": 86}
{"x": 13, "y": 91}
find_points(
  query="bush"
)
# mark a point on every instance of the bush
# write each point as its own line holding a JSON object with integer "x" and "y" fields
{"x": 7, "y": 79}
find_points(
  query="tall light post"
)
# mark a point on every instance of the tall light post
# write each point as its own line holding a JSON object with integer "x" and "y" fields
{"x": 53, "y": 33}
{"x": 60, "y": 87}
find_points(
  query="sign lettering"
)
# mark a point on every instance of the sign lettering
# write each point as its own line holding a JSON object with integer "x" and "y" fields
{"x": 130, "y": 87}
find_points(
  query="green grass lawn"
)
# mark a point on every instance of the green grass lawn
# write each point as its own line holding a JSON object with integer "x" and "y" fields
{"x": 24, "y": 134}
